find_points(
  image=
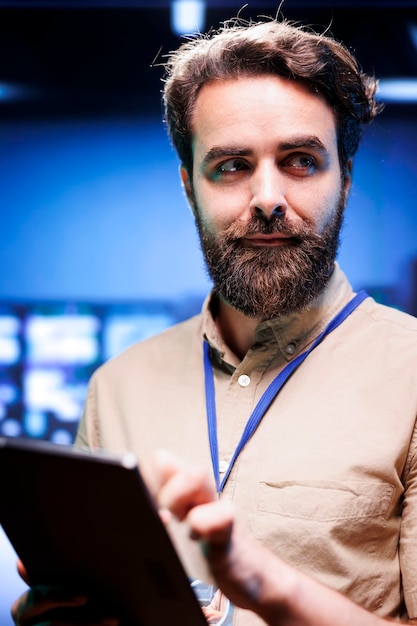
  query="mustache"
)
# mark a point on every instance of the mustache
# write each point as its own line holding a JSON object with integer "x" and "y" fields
{"x": 259, "y": 225}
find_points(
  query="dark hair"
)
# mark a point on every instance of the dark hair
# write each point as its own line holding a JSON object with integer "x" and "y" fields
{"x": 242, "y": 48}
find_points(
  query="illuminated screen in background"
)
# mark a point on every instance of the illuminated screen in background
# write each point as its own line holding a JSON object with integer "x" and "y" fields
{"x": 48, "y": 352}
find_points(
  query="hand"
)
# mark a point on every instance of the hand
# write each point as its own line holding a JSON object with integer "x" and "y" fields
{"x": 211, "y": 615}
{"x": 236, "y": 560}
{"x": 42, "y": 604}
{"x": 248, "y": 574}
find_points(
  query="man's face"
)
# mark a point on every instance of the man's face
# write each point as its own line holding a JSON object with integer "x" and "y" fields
{"x": 267, "y": 192}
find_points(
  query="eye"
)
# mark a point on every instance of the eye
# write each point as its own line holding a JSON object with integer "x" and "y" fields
{"x": 231, "y": 166}
{"x": 302, "y": 164}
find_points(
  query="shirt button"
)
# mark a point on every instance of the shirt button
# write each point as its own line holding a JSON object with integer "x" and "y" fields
{"x": 223, "y": 467}
{"x": 290, "y": 349}
{"x": 243, "y": 380}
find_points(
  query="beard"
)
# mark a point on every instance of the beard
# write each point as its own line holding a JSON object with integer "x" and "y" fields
{"x": 264, "y": 282}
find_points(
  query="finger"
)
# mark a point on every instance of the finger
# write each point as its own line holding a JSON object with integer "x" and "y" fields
{"x": 178, "y": 487}
{"x": 165, "y": 516}
{"x": 165, "y": 465}
{"x": 185, "y": 490}
{"x": 40, "y": 599}
{"x": 22, "y": 571}
{"x": 212, "y": 523}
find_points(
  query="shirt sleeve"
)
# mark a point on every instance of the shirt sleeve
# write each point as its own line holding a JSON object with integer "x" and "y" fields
{"x": 408, "y": 532}
{"x": 87, "y": 434}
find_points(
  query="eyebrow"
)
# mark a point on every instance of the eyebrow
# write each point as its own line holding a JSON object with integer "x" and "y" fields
{"x": 295, "y": 143}
{"x": 304, "y": 141}
{"x": 220, "y": 152}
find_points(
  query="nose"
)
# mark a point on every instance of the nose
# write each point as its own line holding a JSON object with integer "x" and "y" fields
{"x": 268, "y": 192}
{"x": 278, "y": 211}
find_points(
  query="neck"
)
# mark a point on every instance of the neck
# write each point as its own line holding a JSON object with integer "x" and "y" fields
{"x": 237, "y": 330}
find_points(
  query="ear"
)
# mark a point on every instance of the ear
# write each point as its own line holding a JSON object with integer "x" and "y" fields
{"x": 188, "y": 187}
{"x": 348, "y": 178}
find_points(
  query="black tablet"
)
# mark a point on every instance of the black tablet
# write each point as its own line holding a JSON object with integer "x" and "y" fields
{"x": 87, "y": 520}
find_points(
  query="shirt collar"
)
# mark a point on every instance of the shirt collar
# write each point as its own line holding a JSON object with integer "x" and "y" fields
{"x": 289, "y": 335}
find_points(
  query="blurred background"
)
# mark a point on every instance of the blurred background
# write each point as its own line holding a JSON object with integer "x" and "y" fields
{"x": 97, "y": 245}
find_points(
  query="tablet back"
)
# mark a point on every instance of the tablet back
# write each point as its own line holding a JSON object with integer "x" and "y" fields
{"x": 87, "y": 520}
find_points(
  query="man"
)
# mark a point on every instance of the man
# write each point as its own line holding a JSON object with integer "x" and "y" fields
{"x": 299, "y": 396}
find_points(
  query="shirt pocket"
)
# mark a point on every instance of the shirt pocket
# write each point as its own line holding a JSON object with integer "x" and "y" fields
{"x": 326, "y": 501}
{"x": 344, "y": 534}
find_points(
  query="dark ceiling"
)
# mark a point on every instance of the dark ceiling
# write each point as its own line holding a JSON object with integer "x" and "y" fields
{"x": 79, "y": 58}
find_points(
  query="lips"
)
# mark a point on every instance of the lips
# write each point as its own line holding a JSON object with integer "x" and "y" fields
{"x": 268, "y": 241}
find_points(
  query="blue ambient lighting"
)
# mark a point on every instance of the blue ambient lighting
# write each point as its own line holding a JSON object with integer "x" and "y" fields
{"x": 187, "y": 16}
{"x": 401, "y": 90}
{"x": 7, "y": 92}
{"x": 413, "y": 34}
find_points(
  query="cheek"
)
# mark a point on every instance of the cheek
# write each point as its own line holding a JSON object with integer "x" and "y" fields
{"x": 211, "y": 223}
{"x": 217, "y": 209}
{"x": 329, "y": 214}
{"x": 318, "y": 209}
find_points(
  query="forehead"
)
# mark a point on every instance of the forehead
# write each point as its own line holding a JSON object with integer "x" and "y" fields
{"x": 261, "y": 111}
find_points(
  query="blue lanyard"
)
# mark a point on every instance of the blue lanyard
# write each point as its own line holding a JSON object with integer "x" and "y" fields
{"x": 268, "y": 395}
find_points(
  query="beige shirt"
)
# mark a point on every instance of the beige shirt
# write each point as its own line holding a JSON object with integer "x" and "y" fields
{"x": 329, "y": 479}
